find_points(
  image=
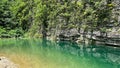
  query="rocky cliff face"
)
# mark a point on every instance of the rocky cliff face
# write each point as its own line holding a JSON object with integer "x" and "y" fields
{"x": 110, "y": 37}
{"x": 116, "y": 10}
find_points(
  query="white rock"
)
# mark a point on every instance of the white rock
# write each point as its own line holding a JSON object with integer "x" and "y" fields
{"x": 6, "y": 63}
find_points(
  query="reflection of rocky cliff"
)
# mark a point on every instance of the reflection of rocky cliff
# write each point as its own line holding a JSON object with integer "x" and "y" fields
{"x": 106, "y": 54}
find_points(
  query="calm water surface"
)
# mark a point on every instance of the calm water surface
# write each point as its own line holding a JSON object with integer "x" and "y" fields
{"x": 46, "y": 54}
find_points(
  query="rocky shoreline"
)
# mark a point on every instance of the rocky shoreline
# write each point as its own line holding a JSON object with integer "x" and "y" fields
{"x": 111, "y": 38}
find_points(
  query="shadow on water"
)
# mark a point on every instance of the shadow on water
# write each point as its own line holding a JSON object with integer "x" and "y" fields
{"x": 64, "y": 53}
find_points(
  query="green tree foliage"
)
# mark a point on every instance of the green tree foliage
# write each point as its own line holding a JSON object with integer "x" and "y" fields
{"x": 38, "y": 18}
{"x": 8, "y": 26}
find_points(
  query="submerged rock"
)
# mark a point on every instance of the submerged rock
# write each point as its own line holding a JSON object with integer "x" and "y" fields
{"x": 6, "y": 63}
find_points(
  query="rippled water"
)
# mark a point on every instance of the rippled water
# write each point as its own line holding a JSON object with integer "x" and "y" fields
{"x": 46, "y": 54}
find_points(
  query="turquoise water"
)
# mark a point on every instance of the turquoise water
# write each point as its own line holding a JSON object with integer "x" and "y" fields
{"x": 36, "y": 53}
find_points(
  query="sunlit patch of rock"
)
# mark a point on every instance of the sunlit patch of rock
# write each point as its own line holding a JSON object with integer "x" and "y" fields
{"x": 6, "y": 63}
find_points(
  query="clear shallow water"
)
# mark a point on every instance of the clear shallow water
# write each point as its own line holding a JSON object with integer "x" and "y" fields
{"x": 46, "y": 54}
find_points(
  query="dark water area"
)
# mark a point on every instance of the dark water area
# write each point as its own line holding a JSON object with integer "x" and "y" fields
{"x": 37, "y": 53}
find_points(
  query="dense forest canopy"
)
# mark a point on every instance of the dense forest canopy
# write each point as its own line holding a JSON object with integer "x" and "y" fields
{"x": 36, "y": 18}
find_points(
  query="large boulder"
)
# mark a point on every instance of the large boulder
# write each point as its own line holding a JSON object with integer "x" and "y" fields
{"x": 6, "y": 63}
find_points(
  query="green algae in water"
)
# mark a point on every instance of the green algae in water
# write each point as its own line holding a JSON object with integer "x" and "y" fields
{"x": 39, "y": 53}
